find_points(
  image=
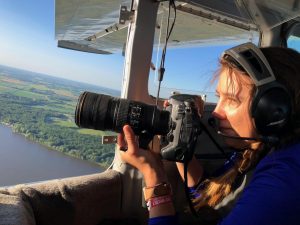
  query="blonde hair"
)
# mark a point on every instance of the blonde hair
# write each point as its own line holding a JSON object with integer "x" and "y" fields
{"x": 214, "y": 190}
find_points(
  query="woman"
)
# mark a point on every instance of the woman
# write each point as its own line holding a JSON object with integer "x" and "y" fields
{"x": 256, "y": 121}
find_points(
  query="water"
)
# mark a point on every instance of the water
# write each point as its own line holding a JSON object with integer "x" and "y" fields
{"x": 22, "y": 161}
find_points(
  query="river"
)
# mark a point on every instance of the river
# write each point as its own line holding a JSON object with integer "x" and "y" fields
{"x": 22, "y": 161}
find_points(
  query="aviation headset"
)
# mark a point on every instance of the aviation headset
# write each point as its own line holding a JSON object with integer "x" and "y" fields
{"x": 271, "y": 106}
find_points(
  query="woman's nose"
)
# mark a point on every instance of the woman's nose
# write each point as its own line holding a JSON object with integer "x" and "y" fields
{"x": 219, "y": 113}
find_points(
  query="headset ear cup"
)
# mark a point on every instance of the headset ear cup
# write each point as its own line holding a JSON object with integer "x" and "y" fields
{"x": 271, "y": 110}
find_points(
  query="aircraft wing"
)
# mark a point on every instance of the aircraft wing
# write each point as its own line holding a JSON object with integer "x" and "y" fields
{"x": 93, "y": 26}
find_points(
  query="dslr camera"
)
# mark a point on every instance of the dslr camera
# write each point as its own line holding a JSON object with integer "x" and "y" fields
{"x": 178, "y": 124}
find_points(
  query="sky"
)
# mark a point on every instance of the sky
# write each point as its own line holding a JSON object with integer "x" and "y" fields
{"x": 27, "y": 41}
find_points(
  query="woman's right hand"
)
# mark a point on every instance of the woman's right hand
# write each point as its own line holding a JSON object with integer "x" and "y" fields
{"x": 146, "y": 161}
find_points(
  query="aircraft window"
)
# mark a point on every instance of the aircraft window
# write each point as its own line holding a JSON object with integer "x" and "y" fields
{"x": 294, "y": 42}
{"x": 193, "y": 53}
{"x": 39, "y": 87}
{"x": 188, "y": 71}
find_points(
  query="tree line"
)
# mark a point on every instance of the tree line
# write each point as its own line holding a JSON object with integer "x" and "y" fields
{"x": 37, "y": 125}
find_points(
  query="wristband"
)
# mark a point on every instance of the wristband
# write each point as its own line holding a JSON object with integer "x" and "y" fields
{"x": 156, "y": 201}
{"x": 161, "y": 189}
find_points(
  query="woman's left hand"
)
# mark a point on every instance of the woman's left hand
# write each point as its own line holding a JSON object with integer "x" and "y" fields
{"x": 146, "y": 161}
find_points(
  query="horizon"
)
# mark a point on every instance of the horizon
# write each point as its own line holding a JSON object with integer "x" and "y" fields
{"x": 28, "y": 42}
{"x": 61, "y": 78}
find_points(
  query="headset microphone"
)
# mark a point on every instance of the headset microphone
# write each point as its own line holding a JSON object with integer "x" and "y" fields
{"x": 237, "y": 137}
{"x": 265, "y": 139}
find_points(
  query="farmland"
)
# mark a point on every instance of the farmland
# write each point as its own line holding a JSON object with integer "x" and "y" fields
{"x": 42, "y": 108}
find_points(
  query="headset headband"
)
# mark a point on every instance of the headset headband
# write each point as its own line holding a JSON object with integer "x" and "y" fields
{"x": 253, "y": 61}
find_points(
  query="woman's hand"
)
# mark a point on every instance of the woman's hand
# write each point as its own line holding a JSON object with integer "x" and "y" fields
{"x": 146, "y": 161}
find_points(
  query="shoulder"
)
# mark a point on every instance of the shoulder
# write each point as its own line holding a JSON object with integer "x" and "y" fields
{"x": 272, "y": 197}
{"x": 278, "y": 174}
{"x": 285, "y": 160}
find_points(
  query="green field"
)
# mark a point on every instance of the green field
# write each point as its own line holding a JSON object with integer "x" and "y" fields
{"x": 42, "y": 108}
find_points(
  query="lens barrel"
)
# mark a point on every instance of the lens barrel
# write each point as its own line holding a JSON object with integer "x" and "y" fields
{"x": 103, "y": 112}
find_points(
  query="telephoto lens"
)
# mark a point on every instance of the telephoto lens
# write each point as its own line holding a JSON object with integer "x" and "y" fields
{"x": 103, "y": 112}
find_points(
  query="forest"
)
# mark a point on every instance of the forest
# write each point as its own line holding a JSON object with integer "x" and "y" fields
{"x": 42, "y": 109}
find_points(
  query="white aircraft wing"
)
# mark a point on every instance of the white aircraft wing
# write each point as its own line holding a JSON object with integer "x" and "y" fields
{"x": 93, "y": 26}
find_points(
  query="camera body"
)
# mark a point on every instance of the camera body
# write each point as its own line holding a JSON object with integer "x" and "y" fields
{"x": 179, "y": 124}
{"x": 179, "y": 144}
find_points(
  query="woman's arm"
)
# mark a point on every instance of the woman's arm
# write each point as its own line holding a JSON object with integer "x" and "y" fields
{"x": 149, "y": 164}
